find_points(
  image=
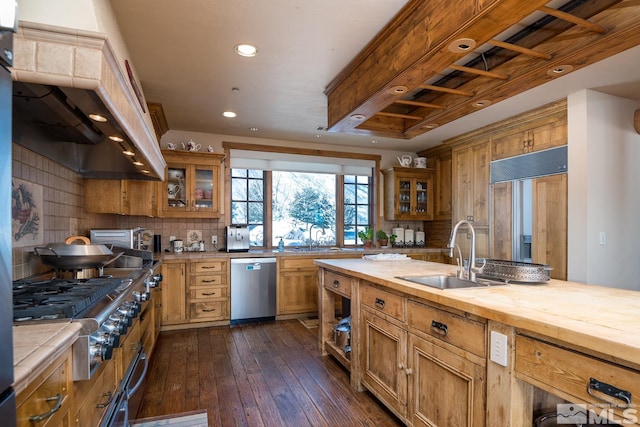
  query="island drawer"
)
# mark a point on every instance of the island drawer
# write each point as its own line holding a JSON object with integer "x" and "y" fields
{"x": 464, "y": 333}
{"x": 214, "y": 279}
{"x": 209, "y": 310}
{"x": 571, "y": 375}
{"x": 206, "y": 292}
{"x": 383, "y": 301}
{"x": 337, "y": 283}
{"x": 208, "y": 266}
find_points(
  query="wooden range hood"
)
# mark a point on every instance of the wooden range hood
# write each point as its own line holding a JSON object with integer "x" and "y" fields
{"x": 439, "y": 60}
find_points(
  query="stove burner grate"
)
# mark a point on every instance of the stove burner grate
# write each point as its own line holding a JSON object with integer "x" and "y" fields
{"x": 58, "y": 298}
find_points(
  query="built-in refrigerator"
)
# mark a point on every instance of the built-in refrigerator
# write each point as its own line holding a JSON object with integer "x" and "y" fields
{"x": 7, "y": 395}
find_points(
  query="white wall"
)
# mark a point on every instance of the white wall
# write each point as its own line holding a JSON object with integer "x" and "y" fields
{"x": 604, "y": 151}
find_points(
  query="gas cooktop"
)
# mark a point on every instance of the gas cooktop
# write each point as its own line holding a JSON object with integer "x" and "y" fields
{"x": 58, "y": 298}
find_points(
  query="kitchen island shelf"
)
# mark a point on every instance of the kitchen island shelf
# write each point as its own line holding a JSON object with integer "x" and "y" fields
{"x": 338, "y": 353}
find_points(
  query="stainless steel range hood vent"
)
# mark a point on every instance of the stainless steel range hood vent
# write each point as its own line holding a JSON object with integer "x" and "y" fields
{"x": 63, "y": 76}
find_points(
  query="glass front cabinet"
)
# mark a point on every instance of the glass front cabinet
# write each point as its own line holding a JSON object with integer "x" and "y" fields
{"x": 192, "y": 184}
{"x": 408, "y": 193}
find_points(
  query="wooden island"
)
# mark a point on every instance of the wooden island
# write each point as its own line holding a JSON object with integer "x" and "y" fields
{"x": 490, "y": 356}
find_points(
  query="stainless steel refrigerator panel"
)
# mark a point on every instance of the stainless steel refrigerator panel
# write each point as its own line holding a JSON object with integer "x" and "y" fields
{"x": 253, "y": 288}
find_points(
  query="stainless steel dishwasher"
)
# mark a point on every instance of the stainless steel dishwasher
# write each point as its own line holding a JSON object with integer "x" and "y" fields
{"x": 253, "y": 289}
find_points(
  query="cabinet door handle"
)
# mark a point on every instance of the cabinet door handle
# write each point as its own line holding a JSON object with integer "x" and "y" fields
{"x": 380, "y": 303}
{"x": 39, "y": 418}
{"x": 336, "y": 283}
{"x": 208, "y": 293}
{"x": 109, "y": 397}
{"x": 439, "y": 328}
{"x": 408, "y": 371}
{"x": 400, "y": 365}
{"x": 609, "y": 390}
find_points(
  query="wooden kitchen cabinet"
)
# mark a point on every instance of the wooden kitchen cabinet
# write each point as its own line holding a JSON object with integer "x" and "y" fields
{"x": 47, "y": 399}
{"x": 174, "y": 289}
{"x": 297, "y": 291}
{"x": 535, "y": 130}
{"x": 91, "y": 398}
{"x": 208, "y": 291}
{"x": 408, "y": 194}
{"x": 440, "y": 160}
{"x": 122, "y": 197}
{"x": 192, "y": 185}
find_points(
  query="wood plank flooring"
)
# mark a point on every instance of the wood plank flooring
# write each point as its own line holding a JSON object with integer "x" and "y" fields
{"x": 266, "y": 374}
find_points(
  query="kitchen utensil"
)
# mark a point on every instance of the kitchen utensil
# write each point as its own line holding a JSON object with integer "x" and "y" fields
{"x": 408, "y": 236}
{"x": 175, "y": 173}
{"x": 69, "y": 256}
{"x": 405, "y": 160}
{"x": 341, "y": 335}
{"x": 171, "y": 146}
{"x": 199, "y": 193}
{"x": 399, "y": 232}
{"x": 419, "y": 238}
{"x": 420, "y": 162}
{"x": 210, "y": 149}
{"x": 174, "y": 190}
{"x": 177, "y": 246}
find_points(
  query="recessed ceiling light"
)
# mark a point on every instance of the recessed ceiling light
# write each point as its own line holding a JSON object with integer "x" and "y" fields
{"x": 138, "y": 163}
{"x": 430, "y": 126}
{"x": 229, "y": 114}
{"x": 246, "y": 50}
{"x": 116, "y": 138}
{"x": 481, "y": 103}
{"x": 144, "y": 171}
{"x": 317, "y": 135}
{"x": 560, "y": 70}
{"x": 358, "y": 117}
{"x": 374, "y": 141}
{"x": 97, "y": 118}
{"x": 253, "y": 129}
{"x": 127, "y": 152}
{"x": 462, "y": 45}
{"x": 397, "y": 90}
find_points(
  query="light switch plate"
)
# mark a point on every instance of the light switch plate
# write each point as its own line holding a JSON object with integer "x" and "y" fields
{"x": 499, "y": 348}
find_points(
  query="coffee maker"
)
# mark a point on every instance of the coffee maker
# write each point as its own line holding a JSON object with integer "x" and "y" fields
{"x": 237, "y": 238}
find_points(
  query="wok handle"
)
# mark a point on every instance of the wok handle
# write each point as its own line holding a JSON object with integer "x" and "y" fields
{"x": 72, "y": 239}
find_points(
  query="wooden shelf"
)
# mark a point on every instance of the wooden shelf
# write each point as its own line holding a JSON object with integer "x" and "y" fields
{"x": 338, "y": 353}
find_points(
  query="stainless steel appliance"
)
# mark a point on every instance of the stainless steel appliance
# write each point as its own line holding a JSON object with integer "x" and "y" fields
{"x": 237, "y": 238}
{"x": 253, "y": 289}
{"x": 108, "y": 306}
{"x": 131, "y": 238}
{"x": 7, "y": 396}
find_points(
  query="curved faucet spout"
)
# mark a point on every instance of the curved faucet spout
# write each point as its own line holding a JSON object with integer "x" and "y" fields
{"x": 471, "y": 271}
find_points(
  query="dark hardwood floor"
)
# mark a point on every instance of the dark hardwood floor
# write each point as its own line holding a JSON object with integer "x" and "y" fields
{"x": 267, "y": 374}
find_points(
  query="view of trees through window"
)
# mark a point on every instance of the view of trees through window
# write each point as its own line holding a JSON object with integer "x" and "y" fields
{"x": 300, "y": 201}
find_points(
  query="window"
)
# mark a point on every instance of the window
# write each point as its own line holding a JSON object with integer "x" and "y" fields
{"x": 247, "y": 202}
{"x": 356, "y": 207}
{"x": 301, "y": 197}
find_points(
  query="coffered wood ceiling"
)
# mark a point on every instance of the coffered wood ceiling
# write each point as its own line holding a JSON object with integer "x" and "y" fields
{"x": 297, "y": 85}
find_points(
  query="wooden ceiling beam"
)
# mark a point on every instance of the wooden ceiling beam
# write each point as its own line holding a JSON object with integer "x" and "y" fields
{"x": 418, "y": 104}
{"x": 446, "y": 90}
{"x": 478, "y": 72}
{"x": 520, "y": 49}
{"x": 573, "y": 19}
{"x": 400, "y": 116}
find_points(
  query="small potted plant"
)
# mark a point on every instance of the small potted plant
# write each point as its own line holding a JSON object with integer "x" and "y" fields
{"x": 392, "y": 239}
{"x": 366, "y": 236}
{"x": 383, "y": 238}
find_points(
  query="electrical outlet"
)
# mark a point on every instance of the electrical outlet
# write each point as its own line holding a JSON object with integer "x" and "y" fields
{"x": 499, "y": 348}
{"x": 214, "y": 240}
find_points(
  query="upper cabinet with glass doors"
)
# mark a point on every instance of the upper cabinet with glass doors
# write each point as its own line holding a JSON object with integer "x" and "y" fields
{"x": 408, "y": 193}
{"x": 192, "y": 185}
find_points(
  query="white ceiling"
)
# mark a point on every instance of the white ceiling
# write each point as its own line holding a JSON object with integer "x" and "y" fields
{"x": 183, "y": 54}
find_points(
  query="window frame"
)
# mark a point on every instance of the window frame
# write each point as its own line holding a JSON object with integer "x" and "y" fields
{"x": 267, "y": 231}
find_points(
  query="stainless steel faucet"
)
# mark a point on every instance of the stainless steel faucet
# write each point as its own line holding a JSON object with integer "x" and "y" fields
{"x": 310, "y": 236}
{"x": 471, "y": 270}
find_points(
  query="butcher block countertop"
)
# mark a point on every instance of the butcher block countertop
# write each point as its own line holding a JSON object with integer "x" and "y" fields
{"x": 35, "y": 345}
{"x": 599, "y": 320}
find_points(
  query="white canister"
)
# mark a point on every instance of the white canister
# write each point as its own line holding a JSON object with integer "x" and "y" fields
{"x": 420, "y": 238}
{"x": 399, "y": 232}
{"x": 177, "y": 246}
{"x": 408, "y": 236}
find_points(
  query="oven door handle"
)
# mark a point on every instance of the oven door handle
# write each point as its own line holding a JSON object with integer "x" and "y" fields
{"x": 131, "y": 391}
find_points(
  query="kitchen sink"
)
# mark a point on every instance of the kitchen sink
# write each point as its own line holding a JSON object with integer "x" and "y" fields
{"x": 449, "y": 282}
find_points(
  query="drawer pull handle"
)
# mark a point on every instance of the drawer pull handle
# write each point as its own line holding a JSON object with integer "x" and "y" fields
{"x": 56, "y": 408}
{"x": 336, "y": 283}
{"x": 208, "y": 293}
{"x": 208, "y": 310}
{"x": 208, "y": 280}
{"x": 380, "y": 303}
{"x": 439, "y": 328}
{"x": 109, "y": 397}
{"x": 208, "y": 267}
{"x": 609, "y": 390}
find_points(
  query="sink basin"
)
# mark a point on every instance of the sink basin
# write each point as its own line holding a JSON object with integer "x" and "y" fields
{"x": 449, "y": 282}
